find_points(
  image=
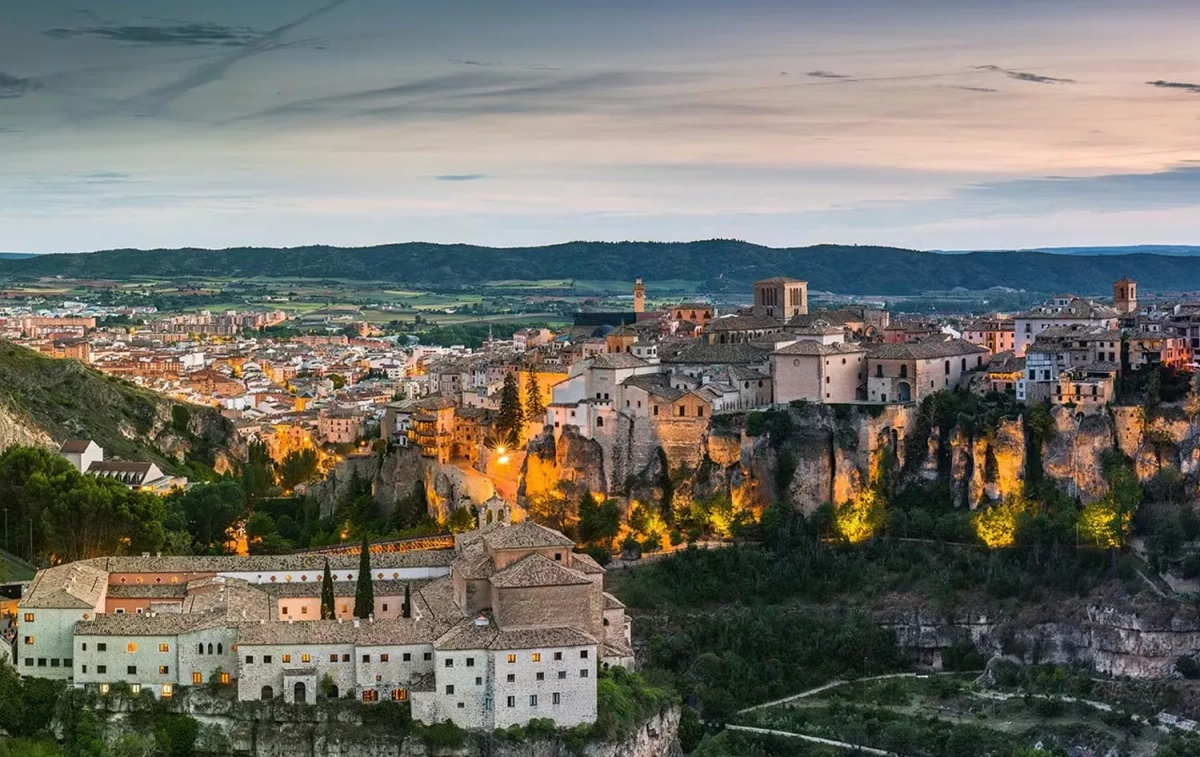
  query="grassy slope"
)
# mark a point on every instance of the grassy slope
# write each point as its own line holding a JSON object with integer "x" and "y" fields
{"x": 67, "y": 399}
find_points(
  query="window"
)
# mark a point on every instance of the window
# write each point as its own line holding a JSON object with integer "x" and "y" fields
{"x": 135, "y": 688}
{"x": 478, "y": 680}
{"x": 28, "y": 641}
{"x": 406, "y": 657}
{"x": 85, "y": 646}
{"x": 267, "y": 659}
{"x": 366, "y": 658}
{"x": 345, "y": 609}
{"x": 167, "y": 690}
{"x": 29, "y": 662}
{"x": 427, "y": 656}
{"x": 541, "y": 676}
{"x": 333, "y": 658}
{"x": 512, "y": 702}
{"x": 558, "y": 656}
{"x": 131, "y": 647}
{"x": 164, "y": 670}
{"x": 305, "y": 658}
{"x": 399, "y": 695}
{"x": 583, "y": 654}
{"x": 562, "y": 674}
{"x": 533, "y": 700}
{"x": 537, "y": 656}
{"x": 197, "y": 677}
{"x": 28, "y": 617}
{"x": 370, "y": 695}
{"x": 556, "y": 698}
{"x": 101, "y": 669}
{"x": 224, "y": 678}
{"x": 700, "y": 412}
{"x": 85, "y": 668}
{"x": 449, "y": 662}
{"x": 346, "y": 657}
{"x": 511, "y": 678}
{"x": 285, "y": 610}
{"x": 384, "y": 657}
{"x": 656, "y": 409}
{"x": 449, "y": 688}
{"x": 54, "y": 662}
{"x": 287, "y": 658}
{"x": 164, "y": 647}
{"x": 249, "y": 659}
{"x": 512, "y": 658}
{"x": 470, "y": 662}
{"x": 947, "y": 367}
{"x": 131, "y": 670}
{"x": 304, "y": 610}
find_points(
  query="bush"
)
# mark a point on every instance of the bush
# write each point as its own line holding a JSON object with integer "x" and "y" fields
{"x": 1188, "y": 667}
{"x": 962, "y": 656}
{"x": 443, "y": 735}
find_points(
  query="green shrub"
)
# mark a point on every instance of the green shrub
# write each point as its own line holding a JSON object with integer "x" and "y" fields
{"x": 443, "y": 735}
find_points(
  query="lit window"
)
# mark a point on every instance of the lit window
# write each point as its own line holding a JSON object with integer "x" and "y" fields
{"x": 304, "y": 610}
{"x": 164, "y": 647}
{"x": 537, "y": 656}
{"x": 305, "y": 658}
{"x": 163, "y": 670}
{"x": 384, "y": 657}
{"x": 135, "y": 688}
{"x": 333, "y": 658}
{"x": 399, "y": 695}
{"x": 167, "y": 690}
{"x": 131, "y": 647}
{"x": 28, "y": 641}
{"x": 197, "y": 677}
{"x": 28, "y": 617}
{"x": 225, "y": 678}
{"x": 370, "y": 695}
{"x": 287, "y": 658}
{"x": 512, "y": 658}
{"x": 104, "y": 688}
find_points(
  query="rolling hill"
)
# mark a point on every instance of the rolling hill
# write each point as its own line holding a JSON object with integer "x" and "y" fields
{"x": 724, "y": 265}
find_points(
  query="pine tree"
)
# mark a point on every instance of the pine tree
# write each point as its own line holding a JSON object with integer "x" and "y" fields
{"x": 364, "y": 592}
{"x": 535, "y": 409}
{"x": 406, "y": 611}
{"x": 327, "y": 600}
{"x": 510, "y": 417}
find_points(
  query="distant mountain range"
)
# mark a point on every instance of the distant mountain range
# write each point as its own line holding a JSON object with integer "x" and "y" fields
{"x": 15, "y": 255}
{"x": 1178, "y": 250}
{"x": 717, "y": 265}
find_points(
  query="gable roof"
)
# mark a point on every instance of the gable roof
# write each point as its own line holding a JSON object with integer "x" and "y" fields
{"x": 813, "y": 347}
{"x": 744, "y": 323}
{"x": 717, "y": 354}
{"x": 925, "y": 350}
{"x": 526, "y": 535}
{"x": 75, "y": 446}
{"x": 537, "y": 570}
{"x": 617, "y": 360}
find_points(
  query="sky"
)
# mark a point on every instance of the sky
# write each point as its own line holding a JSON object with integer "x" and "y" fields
{"x": 932, "y": 124}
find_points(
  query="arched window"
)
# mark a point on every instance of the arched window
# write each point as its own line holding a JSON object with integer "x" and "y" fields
{"x": 200, "y": 648}
{"x": 220, "y": 649}
{"x": 599, "y": 423}
{"x": 210, "y": 651}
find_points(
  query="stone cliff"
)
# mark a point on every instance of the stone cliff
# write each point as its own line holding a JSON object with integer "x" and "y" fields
{"x": 349, "y": 729}
{"x": 811, "y": 454}
{"x": 392, "y": 476}
{"x": 1139, "y": 637}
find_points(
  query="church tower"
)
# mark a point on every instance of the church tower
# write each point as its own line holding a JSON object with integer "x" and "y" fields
{"x": 1125, "y": 296}
{"x": 639, "y": 296}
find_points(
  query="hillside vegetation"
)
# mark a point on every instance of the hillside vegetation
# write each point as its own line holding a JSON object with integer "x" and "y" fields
{"x": 723, "y": 265}
{"x": 46, "y": 401}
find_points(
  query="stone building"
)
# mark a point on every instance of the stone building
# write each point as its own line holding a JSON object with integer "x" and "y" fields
{"x": 781, "y": 298}
{"x": 816, "y": 372}
{"x": 508, "y": 626}
{"x": 911, "y": 372}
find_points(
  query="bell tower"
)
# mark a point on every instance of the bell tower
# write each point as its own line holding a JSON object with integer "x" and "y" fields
{"x": 1125, "y": 296}
{"x": 639, "y": 296}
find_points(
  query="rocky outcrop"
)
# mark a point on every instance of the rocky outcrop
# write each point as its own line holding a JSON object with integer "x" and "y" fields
{"x": 570, "y": 457}
{"x": 337, "y": 729}
{"x": 15, "y": 429}
{"x": 392, "y": 477}
{"x": 1138, "y": 639}
{"x": 1072, "y": 456}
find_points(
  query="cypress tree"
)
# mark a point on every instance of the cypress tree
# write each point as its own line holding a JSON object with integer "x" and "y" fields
{"x": 364, "y": 593}
{"x": 327, "y": 600}
{"x": 510, "y": 416}
{"x": 407, "y": 609}
{"x": 535, "y": 409}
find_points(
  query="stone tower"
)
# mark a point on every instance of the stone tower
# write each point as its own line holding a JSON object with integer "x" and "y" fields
{"x": 781, "y": 297}
{"x": 1125, "y": 296}
{"x": 639, "y": 296}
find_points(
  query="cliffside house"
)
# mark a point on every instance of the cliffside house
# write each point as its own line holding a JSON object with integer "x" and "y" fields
{"x": 911, "y": 372}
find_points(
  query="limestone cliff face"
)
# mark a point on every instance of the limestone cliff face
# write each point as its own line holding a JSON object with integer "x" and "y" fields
{"x": 571, "y": 457}
{"x": 392, "y": 478}
{"x": 1140, "y": 639}
{"x": 336, "y": 729}
{"x": 16, "y": 429}
{"x": 986, "y": 467}
{"x": 1072, "y": 456}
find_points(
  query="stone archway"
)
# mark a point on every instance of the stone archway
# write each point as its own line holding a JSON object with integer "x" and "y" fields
{"x": 904, "y": 390}
{"x": 300, "y": 693}
{"x": 267, "y": 694}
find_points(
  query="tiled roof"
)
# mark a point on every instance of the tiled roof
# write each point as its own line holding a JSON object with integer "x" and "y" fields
{"x": 584, "y": 563}
{"x": 925, "y": 350}
{"x": 468, "y": 634}
{"x": 148, "y": 624}
{"x": 718, "y": 354}
{"x": 781, "y": 280}
{"x": 74, "y": 446}
{"x": 537, "y": 570}
{"x": 72, "y": 586}
{"x": 744, "y": 323}
{"x": 612, "y": 603}
{"x": 313, "y": 563}
{"x": 617, "y": 360}
{"x": 526, "y": 535}
{"x": 811, "y": 347}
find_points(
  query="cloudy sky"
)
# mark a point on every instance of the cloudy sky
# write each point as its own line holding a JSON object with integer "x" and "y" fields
{"x": 926, "y": 123}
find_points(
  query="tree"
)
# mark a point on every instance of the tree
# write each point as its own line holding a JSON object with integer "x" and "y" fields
{"x": 327, "y": 598}
{"x": 207, "y": 511}
{"x": 297, "y": 468}
{"x": 364, "y": 593}
{"x": 510, "y": 416}
{"x": 461, "y": 520}
{"x": 599, "y": 522}
{"x": 257, "y": 474}
{"x": 535, "y": 409}
{"x": 406, "y": 609}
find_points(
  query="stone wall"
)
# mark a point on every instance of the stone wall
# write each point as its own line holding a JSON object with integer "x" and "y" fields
{"x": 393, "y": 477}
